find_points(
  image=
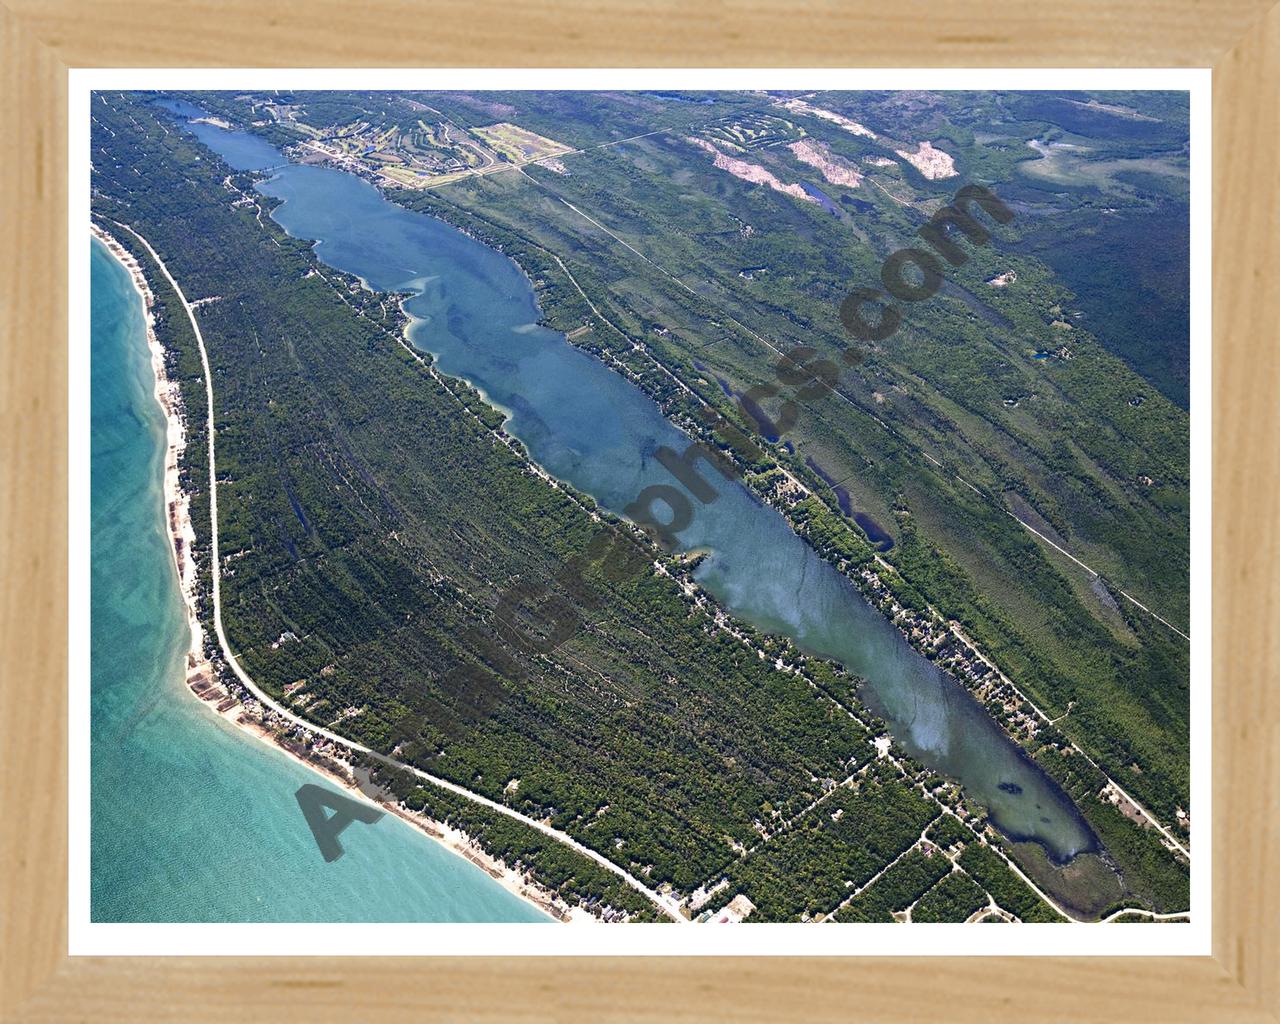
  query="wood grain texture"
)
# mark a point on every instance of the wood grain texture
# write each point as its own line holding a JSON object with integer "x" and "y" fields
{"x": 1246, "y": 435}
{"x": 657, "y": 33}
{"x": 39, "y": 39}
{"x": 33, "y": 513}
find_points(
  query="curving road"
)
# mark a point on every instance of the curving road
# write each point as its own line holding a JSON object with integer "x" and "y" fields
{"x": 666, "y": 905}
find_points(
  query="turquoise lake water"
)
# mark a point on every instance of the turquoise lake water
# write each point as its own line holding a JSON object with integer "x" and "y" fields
{"x": 477, "y": 313}
{"x": 193, "y": 820}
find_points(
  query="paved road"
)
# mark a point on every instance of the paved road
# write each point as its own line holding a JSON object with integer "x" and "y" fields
{"x": 664, "y": 904}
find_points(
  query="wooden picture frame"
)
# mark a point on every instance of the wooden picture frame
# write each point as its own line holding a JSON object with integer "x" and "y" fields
{"x": 42, "y": 39}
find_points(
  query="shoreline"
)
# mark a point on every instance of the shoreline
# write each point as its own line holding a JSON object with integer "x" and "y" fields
{"x": 177, "y": 503}
{"x": 245, "y": 713}
{"x": 976, "y": 686}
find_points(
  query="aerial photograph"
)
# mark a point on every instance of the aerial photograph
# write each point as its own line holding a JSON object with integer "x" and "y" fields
{"x": 682, "y": 507}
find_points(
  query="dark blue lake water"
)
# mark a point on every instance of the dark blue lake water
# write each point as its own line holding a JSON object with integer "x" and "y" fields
{"x": 824, "y": 200}
{"x": 476, "y": 312}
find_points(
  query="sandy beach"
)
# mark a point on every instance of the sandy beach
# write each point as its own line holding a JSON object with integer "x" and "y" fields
{"x": 317, "y": 753}
{"x": 340, "y": 773}
{"x": 177, "y": 504}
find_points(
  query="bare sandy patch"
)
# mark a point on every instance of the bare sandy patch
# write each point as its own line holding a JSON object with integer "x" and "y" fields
{"x": 798, "y": 106}
{"x": 753, "y": 173}
{"x": 933, "y": 163}
{"x": 835, "y": 169}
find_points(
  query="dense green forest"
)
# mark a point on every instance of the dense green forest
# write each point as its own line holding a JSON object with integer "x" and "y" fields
{"x": 1060, "y": 443}
{"x": 897, "y": 889}
{"x": 348, "y": 581}
{"x": 370, "y": 518}
{"x": 846, "y": 839}
{"x": 955, "y": 898}
{"x": 577, "y": 880}
{"x": 1005, "y": 389}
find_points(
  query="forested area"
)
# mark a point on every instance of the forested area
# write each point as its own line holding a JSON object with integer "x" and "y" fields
{"x": 369, "y": 524}
{"x": 1070, "y": 438}
{"x": 577, "y": 880}
{"x": 373, "y": 516}
{"x": 955, "y": 898}
{"x": 898, "y": 888}
{"x": 1124, "y": 676}
{"x": 1151, "y": 873}
{"x": 1007, "y": 889}
{"x": 807, "y": 869}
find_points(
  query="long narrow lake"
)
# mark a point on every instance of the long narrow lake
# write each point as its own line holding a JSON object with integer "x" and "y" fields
{"x": 476, "y": 312}
{"x": 192, "y": 819}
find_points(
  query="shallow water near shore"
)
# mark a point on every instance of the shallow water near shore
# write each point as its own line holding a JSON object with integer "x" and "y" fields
{"x": 476, "y": 312}
{"x": 193, "y": 819}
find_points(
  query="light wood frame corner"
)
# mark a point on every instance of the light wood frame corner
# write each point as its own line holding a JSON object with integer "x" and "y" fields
{"x": 42, "y": 39}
